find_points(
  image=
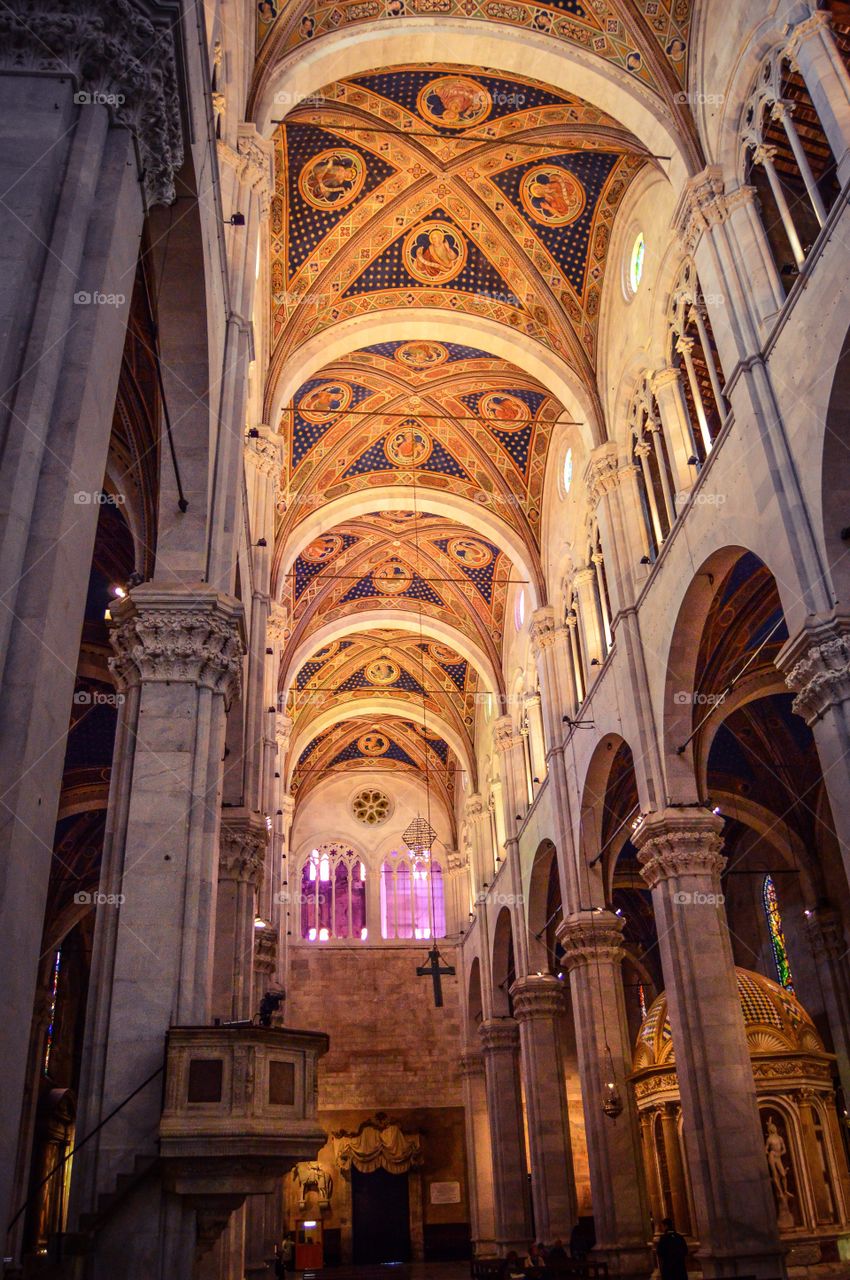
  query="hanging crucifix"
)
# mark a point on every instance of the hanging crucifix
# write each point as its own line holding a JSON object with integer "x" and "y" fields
{"x": 437, "y": 972}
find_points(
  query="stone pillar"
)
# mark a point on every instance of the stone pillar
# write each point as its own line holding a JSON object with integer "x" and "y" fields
{"x": 589, "y": 621}
{"x": 812, "y": 47}
{"x": 681, "y": 855}
{"x": 650, "y": 1166}
{"x": 242, "y": 855}
{"x": 592, "y": 943}
{"x": 816, "y": 666}
{"x": 538, "y": 1004}
{"x": 74, "y": 208}
{"x": 500, "y": 1050}
{"x": 673, "y": 409}
{"x": 509, "y": 746}
{"x": 829, "y": 947}
{"x": 479, "y": 1154}
{"x": 673, "y": 1152}
{"x": 178, "y": 656}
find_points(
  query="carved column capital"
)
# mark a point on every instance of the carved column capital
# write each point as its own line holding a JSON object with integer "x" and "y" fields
{"x": 602, "y": 473}
{"x": 265, "y": 451}
{"x": 700, "y": 206}
{"x": 504, "y": 738}
{"x": 590, "y": 938}
{"x": 816, "y": 665}
{"x": 265, "y": 950}
{"x": 121, "y": 56}
{"x": 242, "y": 846}
{"x": 277, "y": 626}
{"x": 538, "y": 996}
{"x": 473, "y": 809}
{"x": 177, "y": 635}
{"x": 680, "y": 842}
{"x": 499, "y": 1035}
{"x": 812, "y": 26}
{"x": 663, "y": 378}
{"x": 542, "y": 629}
{"x": 471, "y": 1065}
{"x": 826, "y": 931}
{"x": 283, "y": 733}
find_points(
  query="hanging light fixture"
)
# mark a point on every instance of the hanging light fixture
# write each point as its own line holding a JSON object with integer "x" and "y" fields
{"x": 612, "y": 1099}
{"x": 419, "y": 837}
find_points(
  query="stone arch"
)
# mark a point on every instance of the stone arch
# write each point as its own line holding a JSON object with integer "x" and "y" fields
{"x": 835, "y": 480}
{"x": 462, "y": 42}
{"x": 502, "y": 963}
{"x": 400, "y": 620}
{"x": 531, "y": 356}
{"x": 537, "y": 914}
{"x": 478, "y": 517}
{"x": 369, "y": 708}
{"x": 599, "y": 835}
{"x": 474, "y": 996}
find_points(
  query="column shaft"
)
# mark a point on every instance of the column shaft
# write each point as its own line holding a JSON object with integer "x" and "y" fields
{"x": 500, "y": 1050}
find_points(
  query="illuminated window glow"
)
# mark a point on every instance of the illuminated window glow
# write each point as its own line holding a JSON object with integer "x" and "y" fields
{"x": 636, "y": 262}
{"x": 568, "y": 470}
{"x": 333, "y": 894}
{"x": 412, "y": 901}
{"x": 777, "y": 937}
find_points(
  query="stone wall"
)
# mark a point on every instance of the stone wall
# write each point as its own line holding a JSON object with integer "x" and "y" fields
{"x": 390, "y": 1047}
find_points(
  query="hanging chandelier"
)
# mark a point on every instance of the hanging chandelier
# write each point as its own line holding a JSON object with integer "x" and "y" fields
{"x": 419, "y": 837}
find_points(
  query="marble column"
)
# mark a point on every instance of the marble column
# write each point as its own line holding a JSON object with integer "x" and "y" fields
{"x": 539, "y": 1008}
{"x": 242, "y": 856}
{"x": 508, "y": 745}
{"x": 680, "y": 851}
{"x": 73, "y": 213}
{"x": 812, "y": 47}
{"x": 829, "y": 947}
{"x": 816, "y": 666}
{"x": 593, "y": 955}
{"x": 479, "y": 1154}
{"x": 178, "y": 657}
{"x": 500, "y": 1050}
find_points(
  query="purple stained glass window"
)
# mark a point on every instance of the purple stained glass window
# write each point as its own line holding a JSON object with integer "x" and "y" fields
{"x": 412, "y": 902}
{"x": 333, "y": 895}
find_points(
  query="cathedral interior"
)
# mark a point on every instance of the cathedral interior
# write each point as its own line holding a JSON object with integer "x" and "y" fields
{"x": 425, "y": 637}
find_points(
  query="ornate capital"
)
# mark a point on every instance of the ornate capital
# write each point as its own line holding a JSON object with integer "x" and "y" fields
{"x": 121, "y": 56}
{"x": 542, "y": 629}
{"x": 242, "y": 846}
{"x": 538, "y": 997}
{"x": 499, "y": 1035}
{"x": 265, "y": 950}
{"x": 471, "y": 1065}
{"x": 591, "y": 938}
{"x": 602, "y": 473}
{"x": 265, "y": 451}
{"x": 816, "y": 665}
{"x": 701, "y": 206}
{"x": 283, "y": 732}
{"x": 180, "y": 635}
{"x": 826, "y": 931}
{"x": 814, "y": 25}
{"x": 504, "y": 737}
{"x": 680, "y": 842}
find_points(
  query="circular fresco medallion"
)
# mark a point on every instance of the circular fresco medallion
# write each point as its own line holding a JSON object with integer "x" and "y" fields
{"x": 507, "y": 410}
{"x": 326, "y": 651}
{"x": 399, "y": 517}
{"x": 322, "y": 549}
{"x": 382, "y": 672}
{"x": 434, "y": 252}
{"x": 469, "y": 552}
{"x": 442, "y": 653}
{"x": 454, "y": 102}
{"x": 552, "y": 195}
{"x": 391, "y": 577}
{"x": 332, "y": 179}
{"x": 422, "y": 354}
{"x": 320, "y": 404}
{"x": 371, "y": 806}
{"x": 373, "y": 743}
{"x": 408, "y": 447}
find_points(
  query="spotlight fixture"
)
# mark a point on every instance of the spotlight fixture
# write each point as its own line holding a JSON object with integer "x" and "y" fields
{"x": 272, "y": 711}
{"x": 693, "y": 460}
{"x": 269, "y": 653}
{"x": 253, "y": 433}
{"x": 845, "y": 534}
{"x": 594, "y": 662}
{"x": 261, "y": 543}
{"x": 535, "y": 779}
{"x": 645, "y": 560}
{"x": 235, "y": 220}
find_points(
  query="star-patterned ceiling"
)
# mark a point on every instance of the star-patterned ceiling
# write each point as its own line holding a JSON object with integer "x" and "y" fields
{"x": 449, "y": 189}
{"x": 438, "y": 186}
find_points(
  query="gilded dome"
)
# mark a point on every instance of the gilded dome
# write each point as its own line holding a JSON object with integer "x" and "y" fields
{"x": 775, "y": 1021}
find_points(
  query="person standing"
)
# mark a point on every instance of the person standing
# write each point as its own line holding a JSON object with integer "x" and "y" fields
{"x": 672, "y": 1252}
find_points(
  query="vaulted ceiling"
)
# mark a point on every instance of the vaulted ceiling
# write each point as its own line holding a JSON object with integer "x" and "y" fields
{"x": 439, "y": 190}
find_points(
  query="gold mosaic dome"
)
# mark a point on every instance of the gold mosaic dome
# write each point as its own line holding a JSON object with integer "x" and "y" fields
{"x": 775, "y": 1022}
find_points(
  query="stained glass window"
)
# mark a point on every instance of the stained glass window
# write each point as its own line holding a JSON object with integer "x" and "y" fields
{"x": 54, "y": 992}
{"x": 412, "y": 900}
{"x": 777, "y": 937}
{"x": 636, "y": 262}
{"x": 333, "y": 895}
